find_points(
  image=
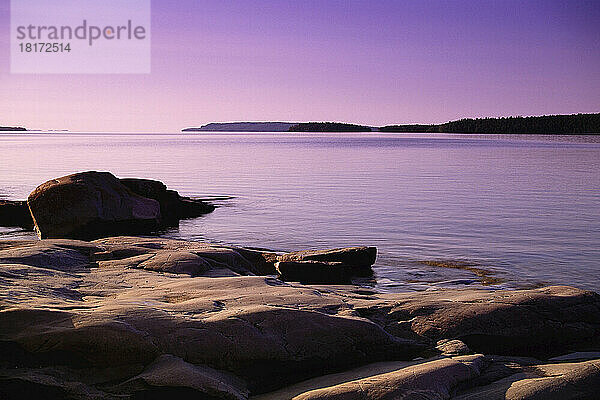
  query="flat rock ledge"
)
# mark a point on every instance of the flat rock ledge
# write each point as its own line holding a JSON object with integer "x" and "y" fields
{"x": 141, "y": 318}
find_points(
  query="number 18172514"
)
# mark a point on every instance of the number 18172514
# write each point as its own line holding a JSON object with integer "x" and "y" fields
{"x": 42, "y": 47}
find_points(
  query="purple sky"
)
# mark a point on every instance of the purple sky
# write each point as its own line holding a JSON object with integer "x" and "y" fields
{"x": 372, "y": 62}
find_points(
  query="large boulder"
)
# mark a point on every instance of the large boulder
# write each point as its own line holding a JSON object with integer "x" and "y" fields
{"x": 88, "y": 205}
{"x": 95, "y": 204}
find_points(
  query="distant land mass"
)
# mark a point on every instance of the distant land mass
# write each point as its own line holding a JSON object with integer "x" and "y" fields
{"x": 547, "y": 124}
{"x": 12, "y": 129}
{"x": 328, "y": 127}
{"x": 243, "y": 127}
{"x": 415, "y": 128}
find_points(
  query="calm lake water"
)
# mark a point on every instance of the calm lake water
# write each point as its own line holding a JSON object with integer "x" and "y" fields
{"x": 523, "y": 209}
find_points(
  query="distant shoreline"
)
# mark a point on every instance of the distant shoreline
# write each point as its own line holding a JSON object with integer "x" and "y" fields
{"x": 243, "y": 127}
{"x": 568, "y": 124}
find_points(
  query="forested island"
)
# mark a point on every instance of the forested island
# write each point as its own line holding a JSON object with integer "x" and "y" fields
{"x": 12, "y": 129}
{"x": 243, "y": 127}
{"x": 415, "y": 128}
{"x": 547, "y": 124}
{"x": 328, "y": 127}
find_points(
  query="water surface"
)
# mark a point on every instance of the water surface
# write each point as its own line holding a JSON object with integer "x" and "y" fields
{"x": 525, "y": 209}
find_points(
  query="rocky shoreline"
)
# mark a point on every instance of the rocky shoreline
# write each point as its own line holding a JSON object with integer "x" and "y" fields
{"x": 133, "y": 317}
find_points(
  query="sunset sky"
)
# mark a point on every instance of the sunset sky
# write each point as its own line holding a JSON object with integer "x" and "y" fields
{"x": 371, "y": 62}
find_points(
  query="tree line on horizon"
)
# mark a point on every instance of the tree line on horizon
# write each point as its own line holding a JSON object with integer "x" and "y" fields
{"x": 328, "y": 127}
{"x": 547, "y": 124}
{"x": 11, "y": 128}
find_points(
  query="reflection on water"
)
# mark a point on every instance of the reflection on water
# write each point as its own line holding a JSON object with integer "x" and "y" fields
{"x": 524, "y": 208}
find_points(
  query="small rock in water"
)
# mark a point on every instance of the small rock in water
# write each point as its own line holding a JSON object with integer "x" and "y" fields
{"x": 335, "y": 266}
{"x": 314, "y": 272}
{"x": 360, "y": 258}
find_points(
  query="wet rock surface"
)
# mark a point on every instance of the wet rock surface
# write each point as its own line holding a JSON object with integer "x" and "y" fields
{"x": 132, "y": 317}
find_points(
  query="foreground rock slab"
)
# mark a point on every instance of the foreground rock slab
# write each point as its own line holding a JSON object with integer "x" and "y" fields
{"x": 543, "y": 382}
{"x": 536, "y": 322}
{"x": 471, "y": 377}
{"x": 131, "y": 317}
{"x": 434, "y": 380}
